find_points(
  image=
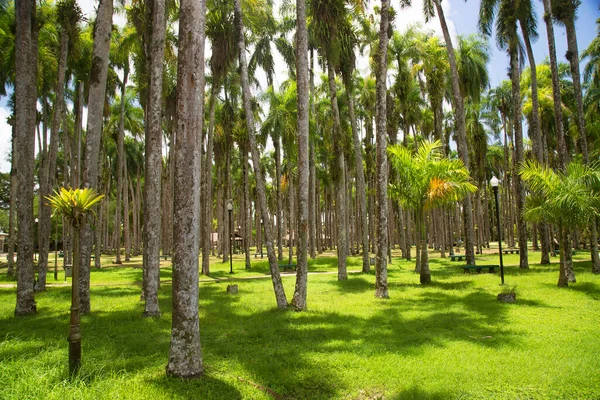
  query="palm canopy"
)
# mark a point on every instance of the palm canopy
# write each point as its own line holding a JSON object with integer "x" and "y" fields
{"x": 427, "y": 179}
{"x": 569, "y": 198}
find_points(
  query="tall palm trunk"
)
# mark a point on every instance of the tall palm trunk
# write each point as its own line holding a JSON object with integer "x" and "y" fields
{"x": 49, "y": 173}
{"x": 12, "y": 215}
{"x": 245, "y": 214}
{"x": 97, "y": 91}
{"x": 461, "y": 134}
{"x": 560, "y": 135}
{"x": 185, "y": 355}
{"x": 154, "y": 165}
{"x": 536, "y": 133}
{"x": 300, "y": 291}
{"x": 313, "y": 196}
{"x": 340, "y": 198}
{"x": 120, "y": 167}
{"x": 381, "y": 284}
{"x": 25, "y": 115}
{"x": 279, "y": 211}
{"x": 260, "y": 183}
{"x": 565, "y": 256}
{"x": 126, "y": 231}
{"x": 573, "y": 57}
{"x": 424, "y": 272}
{"x": 207, "y": 181}
{"x": 519, "y": 157}
{"x": 361, "y": 191}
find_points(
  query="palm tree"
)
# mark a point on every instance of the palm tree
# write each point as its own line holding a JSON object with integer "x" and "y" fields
{"x": 68, "y": 16}
{"x": 25, "y": 116}
{"x": 563, "y": 157}
{"x": 97, "y": 91}
{"x": 300, "y": 291}
{"x": 430, "y": 8}
{"x": 185, "y": 356}
{"x": 507, "y": 39}
{"x": 427, "y": 180}
{"x": 75, "y": 205}
{"x": 567, "y": 199}
{"x": 327, "y": 20}
{"x": 260, "y": 183}
{"x": 381, "y": 285}
{"x": 565, "y": 11}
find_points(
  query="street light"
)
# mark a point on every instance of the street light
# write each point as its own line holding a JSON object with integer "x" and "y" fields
{"x": 494, "y": 183}
{"x": 35, "y": 239}
{"x": 229, "y": 210}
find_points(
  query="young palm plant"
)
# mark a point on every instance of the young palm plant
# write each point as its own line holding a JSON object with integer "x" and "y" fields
{"x": 427, "y": 180}
{"x": 567, "y": 199}
{"x": 75, "y": 205}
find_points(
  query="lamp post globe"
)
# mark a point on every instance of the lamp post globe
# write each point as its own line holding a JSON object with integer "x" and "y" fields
{"x": 494, "y": 182}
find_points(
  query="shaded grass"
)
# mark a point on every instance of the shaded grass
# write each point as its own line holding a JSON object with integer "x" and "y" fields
{"x": 451, "y": 339}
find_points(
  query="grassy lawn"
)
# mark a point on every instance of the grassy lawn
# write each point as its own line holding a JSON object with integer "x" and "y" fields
{"x": 451, "y": 339}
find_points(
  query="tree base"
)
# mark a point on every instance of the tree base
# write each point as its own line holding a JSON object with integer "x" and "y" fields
{"x": 151, "y": 314}
{"x": 508, "y": 297}
{"x": 26, "y": 311}
{"x": 425, "y": 279}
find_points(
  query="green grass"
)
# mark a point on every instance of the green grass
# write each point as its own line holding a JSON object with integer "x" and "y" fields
{"x": 451, "y": 339}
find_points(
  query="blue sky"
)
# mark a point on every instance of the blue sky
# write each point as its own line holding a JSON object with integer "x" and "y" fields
{"x": 462, "y": 19}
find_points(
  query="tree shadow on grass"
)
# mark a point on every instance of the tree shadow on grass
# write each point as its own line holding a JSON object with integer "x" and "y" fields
{"x": 293, "y": 352}
{"x": 206, "y": 387}
{"x": 588, "y": 288}
{"x": 414, "y": 392}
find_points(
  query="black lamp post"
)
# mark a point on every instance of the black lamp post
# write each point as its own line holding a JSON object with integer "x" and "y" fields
{"x": 35, "y": 240}
{"x": 229, "y": 210}
{"x": 494, "y": 183}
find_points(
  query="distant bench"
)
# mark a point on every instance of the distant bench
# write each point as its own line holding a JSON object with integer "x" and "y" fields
{"x": 286, "y": 266}
{"x": 511, "y": 251}
{"x": 478, "y": 268}
{"x": 557, "y": 252}
{"x": 457, "y": 257}
{"x": 166, "y": 256}
{"x": 256, "y": 255}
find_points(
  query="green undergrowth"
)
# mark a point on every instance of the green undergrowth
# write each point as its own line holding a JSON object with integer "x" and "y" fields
{"x": 450, "y": 339}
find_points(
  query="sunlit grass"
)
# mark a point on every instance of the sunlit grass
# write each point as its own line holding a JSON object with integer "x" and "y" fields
{"x": 451, "y": 339}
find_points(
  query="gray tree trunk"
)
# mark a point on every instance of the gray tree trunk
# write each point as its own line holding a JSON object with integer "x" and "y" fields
{"x": 519, "y": 156}
{"x": 25, "y": 117}
{"x": 97, "y": 92}
{"x": 560, "y": 135}
{"x": 126, "y": 227}
{"x": 361, "y": 191}
{"x": 338, "y": 177}
{"x": 300, "y": 291}
{"x": 381, "y": 284}
{"x": 279, "y": 211}
{"x": 573, "y": 57}
{"x": 120, "y": 169}
{"x": 536, "y": 134}
{"x": 49, "y": 173}
{"x": 154, "y": 165}
{"x": 313, "y": 196}
{"x": 207, "y": 181}
{"x": 12, "y": 215}
{"x": 260, "y": 183}
{"x": 461, "y": 134}
{"x": 185, "y": 355}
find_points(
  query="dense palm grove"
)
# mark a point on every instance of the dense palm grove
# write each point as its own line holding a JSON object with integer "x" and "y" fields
{"x": 331, "y": 158}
